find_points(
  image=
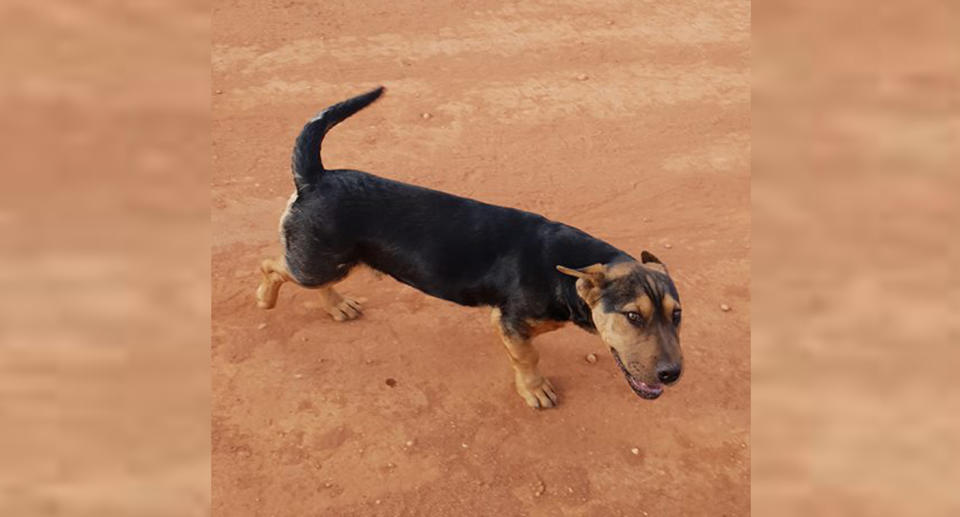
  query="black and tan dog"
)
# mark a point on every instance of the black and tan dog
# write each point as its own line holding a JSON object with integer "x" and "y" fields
{"x": 537, "y": 274}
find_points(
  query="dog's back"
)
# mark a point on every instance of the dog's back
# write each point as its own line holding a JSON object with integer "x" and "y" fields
{"x": 448, "y": 246}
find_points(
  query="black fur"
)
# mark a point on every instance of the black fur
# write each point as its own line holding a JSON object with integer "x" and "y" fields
{"x": 306, "y": 162}
{"x": 451, "y": 247}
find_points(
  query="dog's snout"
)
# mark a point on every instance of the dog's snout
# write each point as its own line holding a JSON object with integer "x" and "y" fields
{"x": 668, "y": 373}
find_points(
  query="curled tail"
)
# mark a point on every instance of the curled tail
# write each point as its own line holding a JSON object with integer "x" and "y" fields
{"x": 306, "y": 163}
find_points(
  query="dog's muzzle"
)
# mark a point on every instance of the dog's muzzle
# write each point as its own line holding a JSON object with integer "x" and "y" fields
{"x": 644, "y": 390}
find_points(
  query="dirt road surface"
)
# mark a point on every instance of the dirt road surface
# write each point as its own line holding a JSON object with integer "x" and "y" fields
{"x": 629, "y": 120}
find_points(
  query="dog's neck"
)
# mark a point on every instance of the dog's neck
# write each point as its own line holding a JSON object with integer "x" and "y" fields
{"x": 580, "y": 313}
{"x": 577, "y": 248}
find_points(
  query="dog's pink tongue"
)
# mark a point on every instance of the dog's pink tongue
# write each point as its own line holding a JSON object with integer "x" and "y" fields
{"x": 642, "y": 386}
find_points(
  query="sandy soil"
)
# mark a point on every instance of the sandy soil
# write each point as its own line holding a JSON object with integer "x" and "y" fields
{"x": 627, "y": 119}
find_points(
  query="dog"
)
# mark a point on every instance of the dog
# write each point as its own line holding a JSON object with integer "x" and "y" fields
{"x": 536, "y": 274}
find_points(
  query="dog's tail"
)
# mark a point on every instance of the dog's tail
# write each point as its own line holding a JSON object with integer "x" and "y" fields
{"x": 306, "y": 163}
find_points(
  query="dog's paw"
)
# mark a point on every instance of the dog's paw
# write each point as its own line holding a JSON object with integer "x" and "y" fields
{"x": 262, "y": 301}
{"x": 346, "y": 309}
{"x": 267, "y": 294}
{"x": 541, "y": 396}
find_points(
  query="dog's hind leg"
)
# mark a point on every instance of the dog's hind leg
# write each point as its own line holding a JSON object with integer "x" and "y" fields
{"x": 535, "y": 389}
{"x": 324, "y": 271}
{"x": 339, "y": 307}
{"x": 274, "y": 275}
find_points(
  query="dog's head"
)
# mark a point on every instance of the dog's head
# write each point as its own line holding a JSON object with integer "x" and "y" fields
{"x": 636, "y": 310}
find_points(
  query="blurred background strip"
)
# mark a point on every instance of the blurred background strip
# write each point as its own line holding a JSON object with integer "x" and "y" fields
{"x": 856, "y": 263}
{"x": 104, "y": 261}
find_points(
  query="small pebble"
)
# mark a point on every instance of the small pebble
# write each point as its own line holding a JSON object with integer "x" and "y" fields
{"x": 409, "y": 443}
{"x": 304, "y": 338}
{"x": 591, "y": 358}
{"x": 635, "y": 451}
{"x": 376, "y": 502}
{"x": 463, "y": 445}
{"x": 391, "y": 382}
{"x": 609, "y": 22}
{"x": 261, "y": 326}
{"x": 328, "y": 484}
{"x": 583, "y": 77}
{"x": 724, "y": 307}
{"x": 219, "y": 92}
{"x": 668, "y": 245}
{"x": 390, "y": 465}
{"x": 298, "y": 376}
{"x": 425, "y": 116}
{"x": 539, "y": 488}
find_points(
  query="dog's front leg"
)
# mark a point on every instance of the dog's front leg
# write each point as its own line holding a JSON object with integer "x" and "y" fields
{"x": 535, "y": 389}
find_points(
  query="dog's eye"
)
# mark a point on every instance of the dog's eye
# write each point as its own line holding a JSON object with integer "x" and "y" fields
{"x": 676, "y": 317}
{"x": 635, "y": 318}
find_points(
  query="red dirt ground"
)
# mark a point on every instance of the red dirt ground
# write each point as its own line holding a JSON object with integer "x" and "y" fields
{"x": 629, "y": 120}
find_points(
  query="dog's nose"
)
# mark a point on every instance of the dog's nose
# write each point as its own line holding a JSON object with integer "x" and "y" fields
{"x": 669, "y": 373}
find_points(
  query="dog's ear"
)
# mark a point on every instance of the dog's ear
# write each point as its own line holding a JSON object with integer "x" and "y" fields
{"x": 650, "y": 260}
{"x": 590, "y": 281}
{"x": 646, "y": 257}
{"x": 594, "y": 274}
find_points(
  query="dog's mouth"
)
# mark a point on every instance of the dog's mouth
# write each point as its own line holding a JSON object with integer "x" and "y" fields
{"x": 644, "y": 390}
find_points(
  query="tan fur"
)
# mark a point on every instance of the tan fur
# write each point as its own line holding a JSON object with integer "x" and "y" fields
{"x": 536, "y": 390}
{"x": 275, "y": 274}
{"x": 590, "y": 279}
{"x": 669, "y": 304}
{"x": 656, "y": 267}
{"x": 618, "y": 270}
{"x": 339, "y": 307}
{"x": 638, "y": 350}
{"x": 643, "y": 305}
{"x": 595, "y": 270}
{"x": 361, "y": 267}
{"x": 538, "y": 327}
